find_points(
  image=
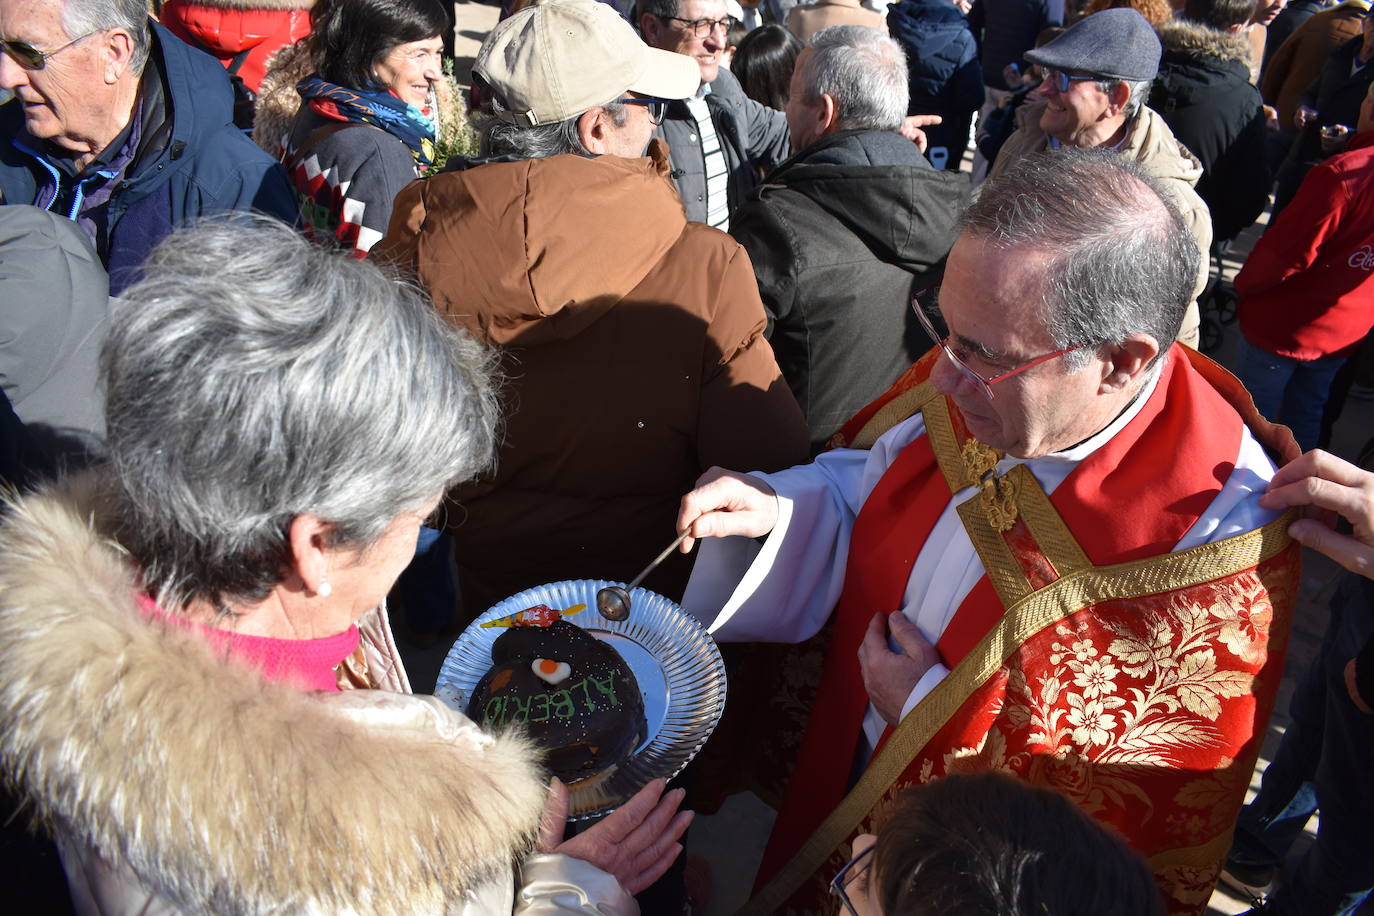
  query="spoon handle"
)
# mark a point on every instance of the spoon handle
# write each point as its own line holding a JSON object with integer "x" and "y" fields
{"x": 657, "y": 560}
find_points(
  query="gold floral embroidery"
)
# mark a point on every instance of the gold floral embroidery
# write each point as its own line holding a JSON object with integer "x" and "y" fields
{"x": 998, "y": 499}
{"x": 979, "y": 461}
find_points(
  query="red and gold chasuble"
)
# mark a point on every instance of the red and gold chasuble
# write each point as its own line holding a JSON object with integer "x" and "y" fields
{"x": 1089, "y": 659}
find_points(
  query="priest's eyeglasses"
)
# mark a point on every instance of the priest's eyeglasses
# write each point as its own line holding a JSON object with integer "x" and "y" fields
{"x": 852, "y": 869}
{"x": 983, "y": 383}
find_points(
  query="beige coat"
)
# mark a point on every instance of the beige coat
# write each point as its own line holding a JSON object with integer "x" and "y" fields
{"x": 176, "y": 781}
{"x": 805, "y": 21}
{"x": 1151, "y": 143}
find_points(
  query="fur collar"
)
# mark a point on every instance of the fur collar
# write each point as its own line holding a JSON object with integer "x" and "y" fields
{"x": 1189, "y": 39}
{"x": 220, "y": 792}
{"x": 249, "y": 5}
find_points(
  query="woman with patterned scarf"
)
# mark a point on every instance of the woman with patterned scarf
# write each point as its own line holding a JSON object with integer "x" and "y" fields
{"x": 367, "y": 124}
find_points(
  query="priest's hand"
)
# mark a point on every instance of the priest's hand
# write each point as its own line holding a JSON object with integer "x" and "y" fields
{"x": 889, "y": 677}
{"x": 636, "y": 842}
{"x": 1330, "y": 488}
{"x": 727, "y": 503}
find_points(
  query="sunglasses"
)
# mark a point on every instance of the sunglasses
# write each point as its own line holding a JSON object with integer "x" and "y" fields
{"x": 657, "y": 107}
{"x": 1061, "y": 81}
{"x": 29, "y": 57}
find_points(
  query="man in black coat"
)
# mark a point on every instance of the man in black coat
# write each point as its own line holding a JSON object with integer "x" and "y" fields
{"x": 1333, "y": 101}
{"x": 1203, "y": 92}
{"x": 843, "y": 232}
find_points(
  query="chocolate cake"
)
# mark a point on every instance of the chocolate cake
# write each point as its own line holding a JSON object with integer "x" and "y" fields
{"x": 572, "y": 692}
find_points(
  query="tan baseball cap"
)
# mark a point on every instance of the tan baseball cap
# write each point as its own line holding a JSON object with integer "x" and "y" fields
{"x": 555, "y": 59}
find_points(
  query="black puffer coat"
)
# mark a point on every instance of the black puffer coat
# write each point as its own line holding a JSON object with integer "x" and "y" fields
{"x": 942, "y": 63}
{"x": 839, "y": 234}
{"x": 1204, "y": 94}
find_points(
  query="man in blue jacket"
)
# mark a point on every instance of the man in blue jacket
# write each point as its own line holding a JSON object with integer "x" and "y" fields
{"x": 119, "y": 126}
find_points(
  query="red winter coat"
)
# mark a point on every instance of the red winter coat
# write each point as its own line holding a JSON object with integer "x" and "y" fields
{"x": 1307, "y": 289}
{"x": 226, "y": 28}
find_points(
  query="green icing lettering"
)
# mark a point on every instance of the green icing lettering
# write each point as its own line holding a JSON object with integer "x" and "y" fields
{"x": 539, "y": 708}
{"x": 494, "y": 712}
{"x": 561, "y": 704}
{"x": 522, "y": 709}
{"x": 607, "y": 688}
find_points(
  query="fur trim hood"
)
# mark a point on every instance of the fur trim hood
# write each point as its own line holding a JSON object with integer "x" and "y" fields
{"x": 1190, "y": 40}
{"x": 218, "y": 791}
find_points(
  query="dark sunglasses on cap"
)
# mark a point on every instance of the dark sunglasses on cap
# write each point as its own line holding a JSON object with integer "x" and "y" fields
{"x": 657, "y": 107}
{"x": 29, "y": 57}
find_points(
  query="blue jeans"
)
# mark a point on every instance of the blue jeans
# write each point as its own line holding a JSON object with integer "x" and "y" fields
{"x": 1322, "y": 763}
{"x": 1288, "y": 391}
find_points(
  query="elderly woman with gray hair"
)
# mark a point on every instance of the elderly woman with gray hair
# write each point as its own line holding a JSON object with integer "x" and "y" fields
{"x": 201, "y": 696}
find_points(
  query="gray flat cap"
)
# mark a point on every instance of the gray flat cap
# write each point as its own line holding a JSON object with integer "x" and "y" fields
{"x": 1117, "y": 43}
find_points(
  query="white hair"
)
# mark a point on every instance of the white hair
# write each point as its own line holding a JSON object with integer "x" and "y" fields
{"x": 82, "y": 17}
{"x": 864, "y": 71}
{"x": 252, "y": 377}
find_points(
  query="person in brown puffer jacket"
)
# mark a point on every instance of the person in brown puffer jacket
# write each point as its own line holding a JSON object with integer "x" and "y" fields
{"x": 632, "y": 340}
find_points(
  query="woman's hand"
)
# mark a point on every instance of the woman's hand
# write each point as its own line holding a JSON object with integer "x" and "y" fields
{"x": 636, "y": 843}
{"x": 1330, "y": 488}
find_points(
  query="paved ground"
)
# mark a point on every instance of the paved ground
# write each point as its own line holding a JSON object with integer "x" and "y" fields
{"x": 730, "y": 843}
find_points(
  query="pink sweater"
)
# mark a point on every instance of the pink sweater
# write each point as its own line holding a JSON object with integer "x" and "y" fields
{"x": 305, "y": 663}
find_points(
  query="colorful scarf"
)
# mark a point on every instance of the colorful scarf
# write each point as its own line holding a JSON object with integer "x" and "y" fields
{"x": 381, "y": 109}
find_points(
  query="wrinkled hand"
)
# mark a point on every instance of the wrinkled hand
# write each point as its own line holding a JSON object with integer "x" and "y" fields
{"x": 1329, "y": 487}
{"x": 1352, "y": 687}
{"x": 636, "y": 843}
{"x": 911, "y": 129}
{"x": 726, "y": 503}
{"x": 1271, "y": 119}
{"x": 1304, "y": 116}
{"x": 1334, "y": 138}
{"x": 890, "y": 676}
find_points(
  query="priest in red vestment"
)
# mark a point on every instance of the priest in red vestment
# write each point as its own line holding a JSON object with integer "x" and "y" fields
{"x": 1043, "y": 549}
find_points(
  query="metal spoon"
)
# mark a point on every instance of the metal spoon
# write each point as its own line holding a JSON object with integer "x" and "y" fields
{"x": 614, "y": 602}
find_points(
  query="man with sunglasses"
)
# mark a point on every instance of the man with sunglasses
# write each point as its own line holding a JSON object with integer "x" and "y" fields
{"x": 1044, "y": 547}
{"x": 1098, "y": 76}
{"x": 633, "y": 339}
{"x": 121, "y": 127}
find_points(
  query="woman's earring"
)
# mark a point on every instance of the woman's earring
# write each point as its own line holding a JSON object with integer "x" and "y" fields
{"x": 324, "y": 589}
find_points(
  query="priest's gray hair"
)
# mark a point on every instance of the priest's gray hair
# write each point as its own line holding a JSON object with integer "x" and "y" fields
{"x": 863, "y": 70}
{"x": 1121, "y": 260}
{"x": 82, "y": 17}
{"x": 253, "y": 377}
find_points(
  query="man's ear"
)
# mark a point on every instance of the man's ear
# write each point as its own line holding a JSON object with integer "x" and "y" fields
{"x": 592, "y": 128}
{"x": 308, "y": 537}
{"x": 651, "y": 28}
{"x": 117, "y": 50}
{"x": 1117, "y": 98}
{"x": 1128, "y": 361}
{"x": 829, "y": 115}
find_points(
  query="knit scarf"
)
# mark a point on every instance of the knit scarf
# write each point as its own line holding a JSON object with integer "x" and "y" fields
{"x": 380, "y": 109}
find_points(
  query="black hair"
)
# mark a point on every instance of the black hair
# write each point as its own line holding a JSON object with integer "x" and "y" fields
{"x": 763, "y": 64}
{"x": 989, "y": 845}
{"x": 348, "y": 36}
{"x": 735, "y": 34}
{"x": 1219, "y": 14}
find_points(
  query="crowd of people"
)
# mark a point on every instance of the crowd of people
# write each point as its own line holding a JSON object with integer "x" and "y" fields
{"x": 898, "y": 312}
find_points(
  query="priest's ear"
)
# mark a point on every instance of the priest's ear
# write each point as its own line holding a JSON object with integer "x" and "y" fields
{"x": 1128, "y": 361}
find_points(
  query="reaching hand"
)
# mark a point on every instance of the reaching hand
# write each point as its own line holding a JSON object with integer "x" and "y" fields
{"x": 726, "y": 503}
{"x": 636, "y": 843}
{"x": 890, "y": 676}
{"x": 1331, "y": 487}
{"x": 911, "y": 128}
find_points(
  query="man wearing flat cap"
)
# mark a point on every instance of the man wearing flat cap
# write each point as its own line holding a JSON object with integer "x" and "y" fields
{"x": 632, "y": 340}
{"x": 1097, "y": 78}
